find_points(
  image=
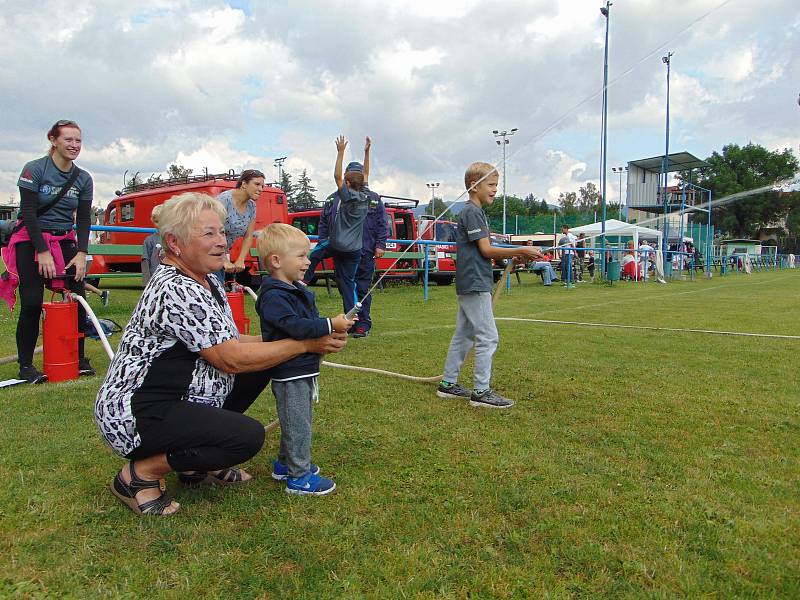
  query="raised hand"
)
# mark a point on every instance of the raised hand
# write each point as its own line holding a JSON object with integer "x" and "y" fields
{"x": 341, "y": 143}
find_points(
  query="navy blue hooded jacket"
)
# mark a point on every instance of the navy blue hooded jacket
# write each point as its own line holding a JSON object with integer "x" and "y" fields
{"x": 376, "y": 229}
{"x": 289, "y": 311}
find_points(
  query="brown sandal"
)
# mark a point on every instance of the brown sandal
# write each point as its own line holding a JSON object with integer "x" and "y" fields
{"x": 126, "y": 492}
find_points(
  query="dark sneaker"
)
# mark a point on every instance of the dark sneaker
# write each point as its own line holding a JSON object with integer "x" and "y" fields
{"x": 104, "y": 297}
{"x": 309, "y": 485}
{"x": 84, "y": 368}
{"x": 360, "y": 332}
{"x": 490, "y": 399}
{"x": 31, "y": 374}
{"x": 452, "y": 391}
{"x": 280, "y": 471}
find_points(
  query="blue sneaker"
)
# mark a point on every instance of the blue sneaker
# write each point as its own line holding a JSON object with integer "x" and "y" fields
{"x": 310, "y": 485}
{"x": 280, "y": 471}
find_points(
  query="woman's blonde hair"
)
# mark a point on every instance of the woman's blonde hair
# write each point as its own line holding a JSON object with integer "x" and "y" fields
{"x": 180, "y": 212}
{"x": 278, "y": 238}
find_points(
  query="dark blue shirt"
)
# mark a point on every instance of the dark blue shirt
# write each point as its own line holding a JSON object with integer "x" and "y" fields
{"x": 290, "y": 312}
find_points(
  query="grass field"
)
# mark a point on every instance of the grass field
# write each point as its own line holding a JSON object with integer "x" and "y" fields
{"x": 644, "y": 464}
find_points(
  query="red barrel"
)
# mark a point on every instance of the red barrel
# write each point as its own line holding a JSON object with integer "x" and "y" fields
{"x": 236, "y": 300}
{"x": 60, "y": 333}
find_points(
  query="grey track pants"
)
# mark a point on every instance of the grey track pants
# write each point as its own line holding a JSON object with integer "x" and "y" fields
{"x": 474, "y": 326}
{"x": 295, "y": 403}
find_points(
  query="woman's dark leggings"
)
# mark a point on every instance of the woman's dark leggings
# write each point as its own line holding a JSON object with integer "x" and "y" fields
{"x": 199, "y": 437}
{"x": 31, "y": 294}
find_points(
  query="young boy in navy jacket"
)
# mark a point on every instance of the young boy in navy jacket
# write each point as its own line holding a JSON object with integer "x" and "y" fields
{"x": 287, "y": 310}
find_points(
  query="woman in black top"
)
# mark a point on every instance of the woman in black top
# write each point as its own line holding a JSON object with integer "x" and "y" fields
{"x": 51, "y": 232}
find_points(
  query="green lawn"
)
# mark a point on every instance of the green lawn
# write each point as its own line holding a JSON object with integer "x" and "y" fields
{"x": 636, "y": 463}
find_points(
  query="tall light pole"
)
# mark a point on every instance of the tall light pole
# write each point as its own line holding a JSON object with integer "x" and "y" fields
{"x": 279, "y": 163}
{"x": 432, "y": 187}
{"x": 620, "y": 171}
{"x": 665, "y": 166}
{"x": 606, "y": 12}
{"x": 501, "y": 137}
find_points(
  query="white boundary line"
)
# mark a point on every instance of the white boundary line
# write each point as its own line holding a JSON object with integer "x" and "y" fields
{"x": 612, "y": 325}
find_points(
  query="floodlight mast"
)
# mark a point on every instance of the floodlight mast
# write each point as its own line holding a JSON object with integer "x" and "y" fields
{"x": 606, "y": 12}
{"x": 665, "y": 166}
{"x": 432, "y": 187}
{"x": 502, "y": 140}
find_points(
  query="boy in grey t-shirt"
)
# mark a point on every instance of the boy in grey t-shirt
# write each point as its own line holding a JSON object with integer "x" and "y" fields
{"x": 475, "y": 320}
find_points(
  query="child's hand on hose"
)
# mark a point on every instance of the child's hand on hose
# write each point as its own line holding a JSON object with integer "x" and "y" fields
{"x": 341, "y": 323}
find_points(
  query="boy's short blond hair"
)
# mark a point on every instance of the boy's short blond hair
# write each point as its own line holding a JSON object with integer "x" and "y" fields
{"x": 154, "y": 214}
{"x": 278, "y": 238}
{"x": 477, "y": 171}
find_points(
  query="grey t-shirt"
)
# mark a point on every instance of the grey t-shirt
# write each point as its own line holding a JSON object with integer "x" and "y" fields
{"x": 473, "y": 270}
{"x": 346, "y": 231}
{"x": 46, "y": 179}
{"x": 236, "y": 223}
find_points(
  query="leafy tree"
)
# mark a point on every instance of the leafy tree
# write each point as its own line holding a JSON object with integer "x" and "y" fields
{"x": 514, "y": 206}
{"x": 568, "y": 202}
{"x": 303, "y": 195}
{"x": 178, "y": 172}
{"x": 286, "y": 185}
{"x": 739, "y": 169}
{"x": 793, "y": 218}
{"x": 533, "y": 206}
{"x": 588, "y": 198}
{"x": 437, "y": 206}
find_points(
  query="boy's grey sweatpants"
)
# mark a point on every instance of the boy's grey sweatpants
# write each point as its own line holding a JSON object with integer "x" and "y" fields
{"x": 295, "y": 403}
{"x": 474, "y": 326}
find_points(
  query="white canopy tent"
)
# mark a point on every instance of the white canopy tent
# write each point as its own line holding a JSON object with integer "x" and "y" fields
{"x": 615, "y": 227}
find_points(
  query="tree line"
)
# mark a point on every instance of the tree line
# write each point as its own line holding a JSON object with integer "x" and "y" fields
{"x": 735, "y": 169}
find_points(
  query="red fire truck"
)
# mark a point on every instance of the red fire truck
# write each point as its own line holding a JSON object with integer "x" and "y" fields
{"x": 399, "y": 217}
{"x": 441, "y": 259}
{"x": 132, "y": 208}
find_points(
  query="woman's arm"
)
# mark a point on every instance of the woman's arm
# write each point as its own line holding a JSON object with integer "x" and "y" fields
{"x": 247, "y": 243}
{"x": 232, "y": 356}
{"x": 83, "y": 220}
{"x": 28, "y": 205}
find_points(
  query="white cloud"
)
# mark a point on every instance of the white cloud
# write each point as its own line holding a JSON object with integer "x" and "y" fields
{"x": 206, "y": 85}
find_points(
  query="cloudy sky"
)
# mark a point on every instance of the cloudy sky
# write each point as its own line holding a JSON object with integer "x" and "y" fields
{"x": 230, "y": 85}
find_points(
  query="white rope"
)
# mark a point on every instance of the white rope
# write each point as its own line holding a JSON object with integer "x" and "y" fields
{"x": 367, "y": 369}
{"x": 436, "y": 379}
{"x": 651, "y": 328}
{"x": 9, "y": 359}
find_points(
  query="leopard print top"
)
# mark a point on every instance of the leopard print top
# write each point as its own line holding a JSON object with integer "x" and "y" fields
{"x": 174, "y": 309}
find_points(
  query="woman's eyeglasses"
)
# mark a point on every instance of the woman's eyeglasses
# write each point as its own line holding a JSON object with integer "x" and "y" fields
{"x": 65, "y": 122}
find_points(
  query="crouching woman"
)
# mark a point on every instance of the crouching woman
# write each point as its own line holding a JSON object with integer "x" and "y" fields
{"x": 175, "y": 391}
